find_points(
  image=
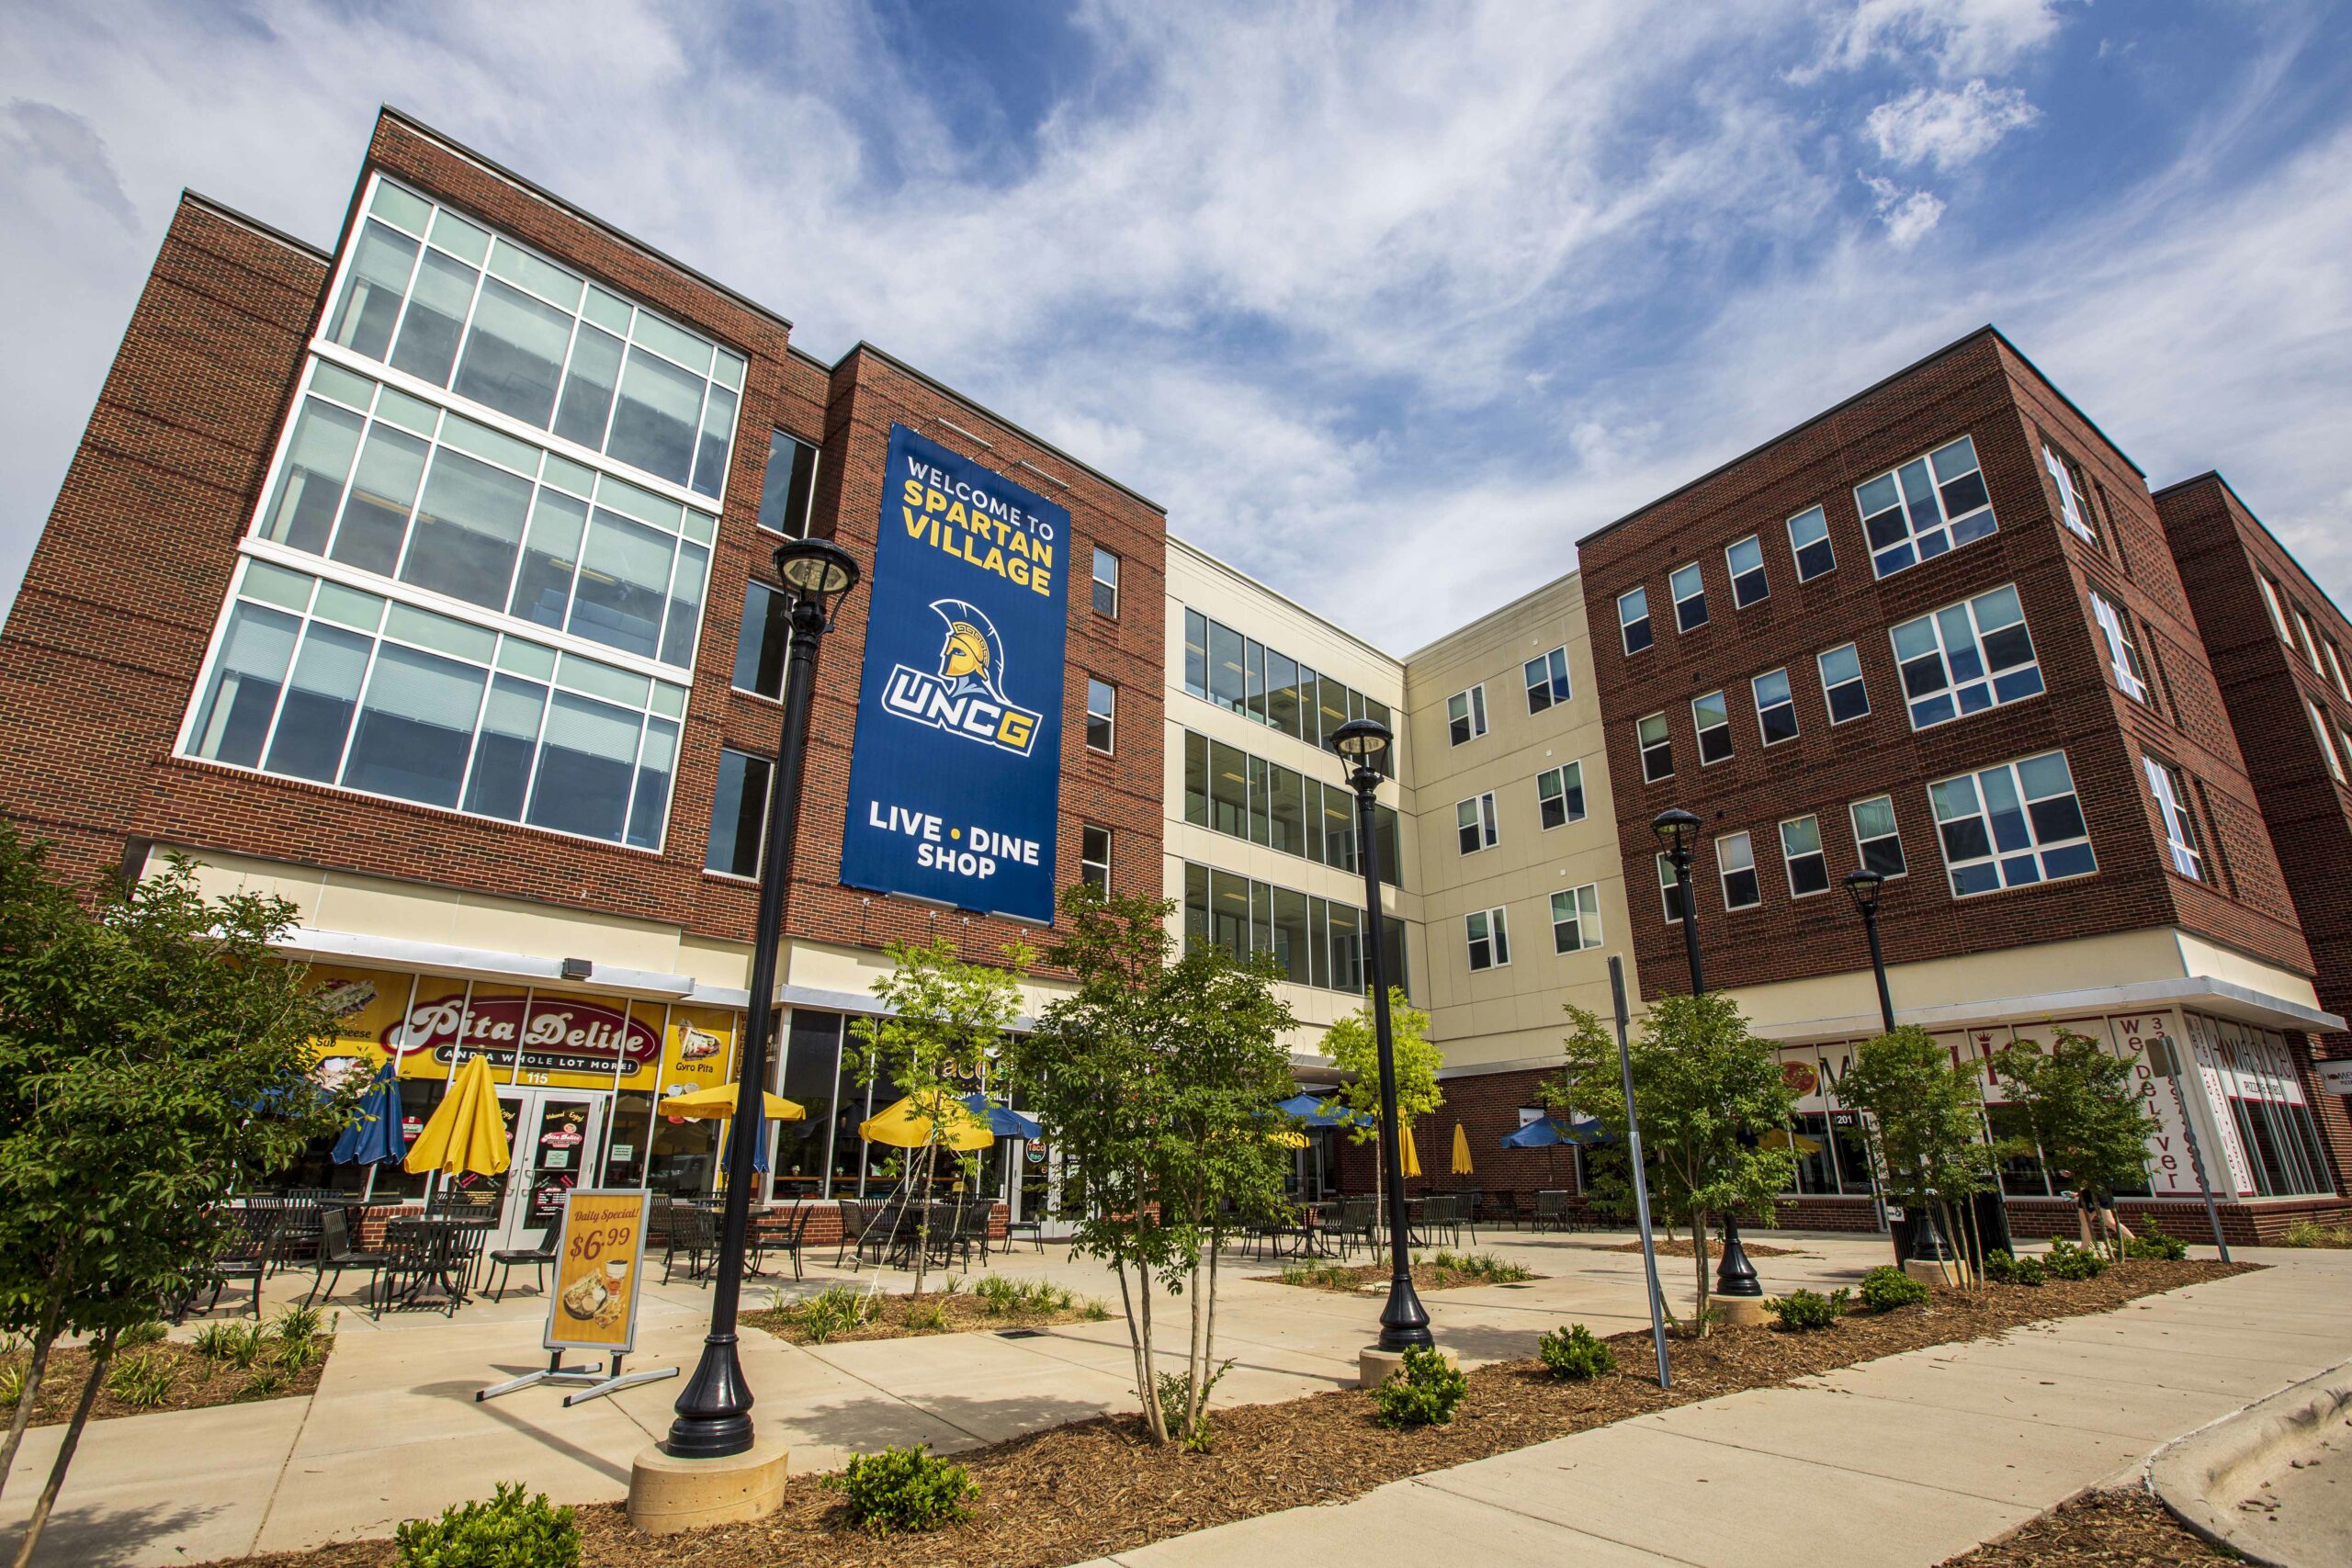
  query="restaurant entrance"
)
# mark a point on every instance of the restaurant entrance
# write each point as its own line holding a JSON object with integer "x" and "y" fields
{"x": 554, "y": 1134}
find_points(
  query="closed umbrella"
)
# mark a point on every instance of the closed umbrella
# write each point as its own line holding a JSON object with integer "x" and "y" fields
{"x": 909, "y": 1126}
{"x": 375, "y": 1136}
{"x": 1412, "y": 1156}
{"x": 466, "y": 1132}
{"x": 1002, "y": 1120}
{"x": 1461, "y": 1151}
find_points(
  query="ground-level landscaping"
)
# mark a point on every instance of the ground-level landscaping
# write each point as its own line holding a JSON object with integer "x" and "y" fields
{"x": 227, "y": 1363}
{"x": 1439, "y": 1270}
{"x": 2099, "y": 1529}
{"x": 1680, "y": 1247}
{"x": 1096, "y": 1488}
{"x": 839, "y": 1313}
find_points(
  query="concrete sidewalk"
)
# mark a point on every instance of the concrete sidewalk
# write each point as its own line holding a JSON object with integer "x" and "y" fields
{"x": 1907, "y": 1459}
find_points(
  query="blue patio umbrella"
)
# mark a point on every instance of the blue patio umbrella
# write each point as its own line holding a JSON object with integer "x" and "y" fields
{"x": 1308, "y": 1108}
{"x": 758, "y": 1142}
{"x": 1545, "y": 1132}
{"x": 1002, "y": 1120}
{"x": 374, "y": 1136}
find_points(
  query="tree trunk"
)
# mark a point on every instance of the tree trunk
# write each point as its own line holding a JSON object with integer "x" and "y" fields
{"x": 1208, "y": 1344}
{"x": 1698, "y": 1219}
{"x": 100, "y": 1354}
{"x": 1139, "y": 1340}
{"x": 44, "y": 1341}
{"x": 921, "y": 1199}
{"x": 1193, "y": 1368}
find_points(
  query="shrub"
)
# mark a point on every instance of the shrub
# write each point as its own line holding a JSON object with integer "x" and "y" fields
{"x": 2156, "y": 1245}
{"x": 300, "y": 1343}
{"x": 1331, "y": 1275}
{"x": 932, "y": 1319}
{"x": 1424, "y": 1391}
{"x": 1095, "y": 1310}
{"x": 2067, "y": 1261}
{"x": 835, "y": 1309}
{"x": 1173, "y": 1388}
{"x": 138, "y": 1336}
{"x": 143, "y": 1382}
{"x": 903, "y": 1490}
{"x": 2311, "y": 1232}
{"x": 1482, "y": 1266}
{"x": 1574, "y": 1354}
{"x": 508, "y": 1532}
{"x": 267, "y": 1383}
{"x": 2000, "y": 1266}
{"x": 1803, "y": 1312}
{"x": 998, "y": 1293}
{"x": 1886, "y": 1286}
{"x": 238, "y": 1344}
{"x": 13, "y": 1381}
{"x": 2030, "y": 1272}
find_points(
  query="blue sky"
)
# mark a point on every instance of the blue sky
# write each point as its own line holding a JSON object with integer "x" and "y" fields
{"x": 1386, "y": 303}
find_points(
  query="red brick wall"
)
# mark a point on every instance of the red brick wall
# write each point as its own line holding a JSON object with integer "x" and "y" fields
{"x": 1981, "y": 388}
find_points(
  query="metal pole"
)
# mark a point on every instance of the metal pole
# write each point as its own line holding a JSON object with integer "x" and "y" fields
{"x": 2189, "y": 1132}
{"x": 1641, "y": 1177}
{"x": 1403, "y": 1321}
{"x": 714, "y": 1413}
{"x": 1735, "y": 1276}
{"x": 1927, "y": 1240}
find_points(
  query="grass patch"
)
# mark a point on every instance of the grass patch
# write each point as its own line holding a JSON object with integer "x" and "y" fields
{"x": 842, "y": 1314}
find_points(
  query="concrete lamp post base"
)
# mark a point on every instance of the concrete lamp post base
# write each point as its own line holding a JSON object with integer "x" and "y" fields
{"x": 1927, "y": 1270}
{"x": 1741, "y": 1311}
{"x": 668, "y": 1494}
{"x": 1374, "y": 1365}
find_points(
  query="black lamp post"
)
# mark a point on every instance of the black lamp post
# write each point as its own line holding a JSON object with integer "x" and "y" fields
{"x": 1403, "y": 1321}
{"x": 715, "y": 1411}
{"x": 1678, "y": 830}
{"x": 1926, "y": 1240}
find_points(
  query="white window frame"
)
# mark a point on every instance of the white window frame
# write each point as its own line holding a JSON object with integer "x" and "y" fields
{"x": 1942, "y": 530}
{"x": 2277, "y": 611}
{"x": 1472, "y": 715}
{"x": 1496, "y": 940}
{"x": 2123, "y": 659}
{"x": 1755, "y": 695}
{"x": 1820, "y": 852}
{"x": 1586, "y": 902}
{"x": 1796, "y": 550}
{"x": 1625, "y": 623}
{"x": 2326, "y": 745}
{"x": 1664, "y": 746}
{"x": 2335, "y": 667}
{"x": 1725, "y": 872}
{"x": 1559, "y": 778}
{"x": 1699, "y": 731}
{"x": 1821, "y": 669}
{"x": 1110, "y": 716}
{"x": 1739, "y": 600}
{"x": 2311, "y": 639}
{"x": 1862, "y": 842}
{"x": 2169, "y": 786}
{"x": 1475, "y": 817}
{"x": 1697, "y": 595}
{"x": 2073, "y": 508}
{"x": 1111, "y": 583}
{"x": 1665, "y": 890}
{"x": 1084, "y": 863}
{"x": 2034, "y": 846}
{"x": 1553, "y": 685}
{"x": 1987, "y": 678}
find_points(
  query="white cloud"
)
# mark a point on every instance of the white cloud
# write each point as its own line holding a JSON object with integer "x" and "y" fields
{"x": 1908, "y": 215}
{"x": 1956, "y": 37}
{"x": 1935, "y": 125}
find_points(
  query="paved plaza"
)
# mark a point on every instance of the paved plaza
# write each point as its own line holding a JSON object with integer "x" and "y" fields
{"x": 1926, "y": 1452}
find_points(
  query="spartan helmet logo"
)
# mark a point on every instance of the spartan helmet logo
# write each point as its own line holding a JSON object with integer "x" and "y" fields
{"x": 972, "y": 659}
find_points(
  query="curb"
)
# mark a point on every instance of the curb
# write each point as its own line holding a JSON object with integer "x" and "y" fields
{"x": 2201, "y": 1478}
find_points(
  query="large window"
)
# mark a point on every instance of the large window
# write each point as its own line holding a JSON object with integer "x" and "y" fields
{"x": 1711, "y": 718}
{"x": 1690, "y": 590}
{"x": 438, "y": 298}
{"x": 2011, "y": 826}
{"x": 388, "y": 484}
{"x": 1268, "y": 685}
{"x": 1657, "y": 748}
{"x": 1776, "y": 707}
{"x": 1559, "y": 794}
{"x": 1466, "y": 715}
{"x": 1928, "y": 505}
{"x": 1318, "y": 943}
{"x": 1878, "y": 843}
{"x": 785, "y": 486}
{"x": 1966, "y": 658}
{"x": 1745, "y": 560}
{"x": 738, "y": 815}
{"x": 1094, "y": 856}
{"x": 1801, "y": 849}
{"x": 1547, "y": 681}
{"x": 1634, "y": 618}
{"x": 1489, "y": 939}
{"x": 1842, "y": 683}
{"x": 1809, "y": 544}
{"x": 1575, "y": 919}
{"x": 1473, "y": 822}
{"x": 1736, "y": 861}
{"x": 316, "y": 681}
{"x": 1232, "y": 792}
{"x": 2122, "y": 658}
{"x": 2170, "y": 788}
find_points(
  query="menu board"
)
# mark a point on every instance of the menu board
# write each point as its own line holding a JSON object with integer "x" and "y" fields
{"x": 599, "y": 1262}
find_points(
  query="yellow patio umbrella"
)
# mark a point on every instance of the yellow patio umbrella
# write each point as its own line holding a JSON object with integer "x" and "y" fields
{"x": 716, "y": 1103}
{"x": 1283, "y": 1138}
{"x": 908, "y": 1125}
{"x": 1461, "y": 1151}
{"x": 1779, "y": 1138}
{"x": 1412, "y": 1156}
{"x": 466, "y": 1132}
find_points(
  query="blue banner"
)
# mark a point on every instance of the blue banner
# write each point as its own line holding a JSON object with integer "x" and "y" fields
{"x": 954, "y": 780}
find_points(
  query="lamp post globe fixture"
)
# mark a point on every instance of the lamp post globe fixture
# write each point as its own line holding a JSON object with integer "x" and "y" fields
{"x": 1403, "y": 1321}
{"x": 1865, "y": 886}
{"x": 714, "y": 1410}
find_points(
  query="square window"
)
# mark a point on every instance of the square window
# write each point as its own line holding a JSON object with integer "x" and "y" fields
{"x": 1925, "y": 507}
{"x": 1657, "y": 748}
{"x": 1809, "y": 544}
{"x": 1106, "y": 582}
{"x": 1776, "y": 707}
{"x": 1842, "y": 683}
{"x": 1547, "y": 681}
{"x": 1710, "y": 716}
{"x": 1878, "y": 845}
{"x": 1689, "y": 597}
{"x": 1490, "y": 940}
{"x": 1094, "y": 856}
{"x": 1736, "y": 862}
{"x": 1966, "y": 658}
{"x": 1475, "y": 826}
{"x": 1575, "y": 919}
{"x": 1466, "y": 715}
{"x": 1559, "y": 794}
{"x": 1745, "y": 559}
{"x": 1634, "y": 618}
{"x": 1102, "y": 705}
{"x": 2011, "y": 826}
{"x": 1801, "y": 848}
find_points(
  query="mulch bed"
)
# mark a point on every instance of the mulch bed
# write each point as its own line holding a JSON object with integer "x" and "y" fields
{"x": 1685, "y": 1249}
{"x": 1098, "y": 1487}
{"x": 197, "y": 1382}
{"x": 1351, "y": 1280}
{"x": 2099, "y": 1529}
{"x": 904, "y": 1317}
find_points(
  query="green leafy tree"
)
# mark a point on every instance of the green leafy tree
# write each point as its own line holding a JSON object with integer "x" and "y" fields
{"x": 945, "y": 1018}
{"x": 2083, "y": 1109}
{"x": 1156, "y": 1078}
{"x": 1354, "y": 1049}
{"x": 1707, "y": 1089}
{"x": 154, "y": 1056}
{"x": 1929, "y": 1112}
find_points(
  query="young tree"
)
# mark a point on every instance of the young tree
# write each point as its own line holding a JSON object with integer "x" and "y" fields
{"x": 1929, "y": 1112}
{"x": 946, "y": 1016}
{"x": 1707, "y": 1089}
{"x": 154, "y": 1056}
{"x": 1354, "y": 1049}
{"x": 2084, "y": 1111}
{"x": 1156, "y": 1078}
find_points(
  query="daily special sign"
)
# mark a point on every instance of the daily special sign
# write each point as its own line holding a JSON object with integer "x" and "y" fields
{"x": 954, "y": 781}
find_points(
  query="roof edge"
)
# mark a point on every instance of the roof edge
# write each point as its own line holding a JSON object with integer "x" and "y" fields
{"x": 247, "y": 221}
{"x": 1189, "y": 549}
{"x": 2217, "y": 477}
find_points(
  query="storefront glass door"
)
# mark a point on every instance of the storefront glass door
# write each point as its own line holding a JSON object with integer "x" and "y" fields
{"x": 555, "y": 1134}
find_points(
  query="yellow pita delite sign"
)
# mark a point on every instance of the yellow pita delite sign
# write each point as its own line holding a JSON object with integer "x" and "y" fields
{"x": 598, "y": 1264}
